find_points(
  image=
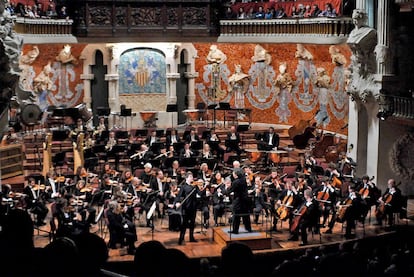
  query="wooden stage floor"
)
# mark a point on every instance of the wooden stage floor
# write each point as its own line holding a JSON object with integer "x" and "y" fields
{"x": 207, "y": 247}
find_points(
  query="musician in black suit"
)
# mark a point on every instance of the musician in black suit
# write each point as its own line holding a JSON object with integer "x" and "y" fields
{"x": 192, "y": 136}
{"x": 326, "y": 196}
{"x": 259, "y": 199}
{"x": 390, "y": 202}
{"x": 172, "y": 138}
{"x": 307, "y": 217}
{"x": 270, "y": 140}
{"x": 160, "y": 184}
{"x": 233, "y": 141}
{"x": 121, "y": 229}
{"x": 350, "y": 210}
{"x": 187, "y": 152}
{"x": 34, "y": 202}
{"x": 187, "y": 201}
{"x": 214, "y": 141}
{"x": 240, "y": 201}
{"x": 219, "y": 196}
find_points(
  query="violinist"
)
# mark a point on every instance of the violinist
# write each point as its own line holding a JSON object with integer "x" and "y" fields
{"x": 219, "y": 196}
{"x": 83, "y": 195}
{"x": 126, "y": 177}
{"x": 52, "y": 186}
{"x": 307, "y": 216}
{"x": 122, "y": 230}
{"x": 173, "y": 171}
{"x": 68, "y": 225}
{"x": 259, "y": 199}
{"x": 326, "y": 196}
{"x": 109, "y": 171}
{"x": 146, "y": 175}
{"x": 287, "y": 201}
{"x": 189, "y": 207}
{"x": 34, "y": 203}
{"x": 174, "y": 219}
{"x": 160, "y": 184}
{"x": 203, "y": 195}
{"x": 390, "y": 202}
{"x": 274, "y": 187}
{"x": 81, "y": 174}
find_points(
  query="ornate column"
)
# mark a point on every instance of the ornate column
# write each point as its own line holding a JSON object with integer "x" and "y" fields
{"x": 383, "y": 30}
{"x": 113, "y": 96}
{"x": 191, "y": 76}
{"x": 360, "y": 4}
{"x": 87, "y": 97}
{"x": 172, "y": 87}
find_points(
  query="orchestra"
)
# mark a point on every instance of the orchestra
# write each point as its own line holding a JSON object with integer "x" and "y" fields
{"x": 160, "y": 174}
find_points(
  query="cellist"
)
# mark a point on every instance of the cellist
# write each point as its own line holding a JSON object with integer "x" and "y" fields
{"x": 306, "y": 216}
{"x": 287, "y": 201}
{"x": 389, "y": 203}
{"x": 326, "y": 196}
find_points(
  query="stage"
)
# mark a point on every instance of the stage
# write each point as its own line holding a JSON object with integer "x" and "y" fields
{"x": 212, "y": 240}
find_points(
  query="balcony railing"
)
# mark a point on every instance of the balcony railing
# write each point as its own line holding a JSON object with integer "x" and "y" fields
{"x": 401, "y": 107}
{"x": 331, "y": 30}
{"x": 53, "y": 27}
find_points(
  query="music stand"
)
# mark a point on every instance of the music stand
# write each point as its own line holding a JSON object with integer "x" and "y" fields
{"x": 159, "y": 133}
{"x": 196, "y": 145}
{"x": 178, "y": 146}
{"x": 155, "y": 147}
{"x": 103, "y": 111}
{"x": 188, "y": 162}
{"x": 126, "y": 113}
{"x": 242, "y": 128}
{"x": 170, "y": 109}
{"x": 121, "y": 134}
{"x": 141, "y": 133}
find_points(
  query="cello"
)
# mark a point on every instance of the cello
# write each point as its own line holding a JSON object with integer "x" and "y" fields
{"x": 298, "y": 216}
{"x": 285, "y": 207}
{"x": 342, "y": 209}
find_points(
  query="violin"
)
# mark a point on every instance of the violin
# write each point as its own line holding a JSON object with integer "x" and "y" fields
{"x": 60, "y": 179}
{"x": 39, "y": 187}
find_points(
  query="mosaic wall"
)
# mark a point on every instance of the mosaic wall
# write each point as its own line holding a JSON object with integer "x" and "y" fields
{"x": 281, "y": 83}
{"x": 142, "y": 71}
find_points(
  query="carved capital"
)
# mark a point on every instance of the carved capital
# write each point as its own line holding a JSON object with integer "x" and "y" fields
{"x": 111, "y": 77}
{"x": 173, "y": 75}
{"x": 87, "y": 76}
{"x": 191, "y": 75}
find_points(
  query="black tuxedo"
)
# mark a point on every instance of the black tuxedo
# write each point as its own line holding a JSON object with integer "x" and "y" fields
{"x": 270, "y": 141}
{"x": 188, "y": 209}
{"x": 35, "y": 204}
{"x": 240, "y": 204}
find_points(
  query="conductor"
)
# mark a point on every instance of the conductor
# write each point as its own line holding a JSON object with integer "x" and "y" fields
{"x": 240, "y": 201}
{"x": 187, "y": 201}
